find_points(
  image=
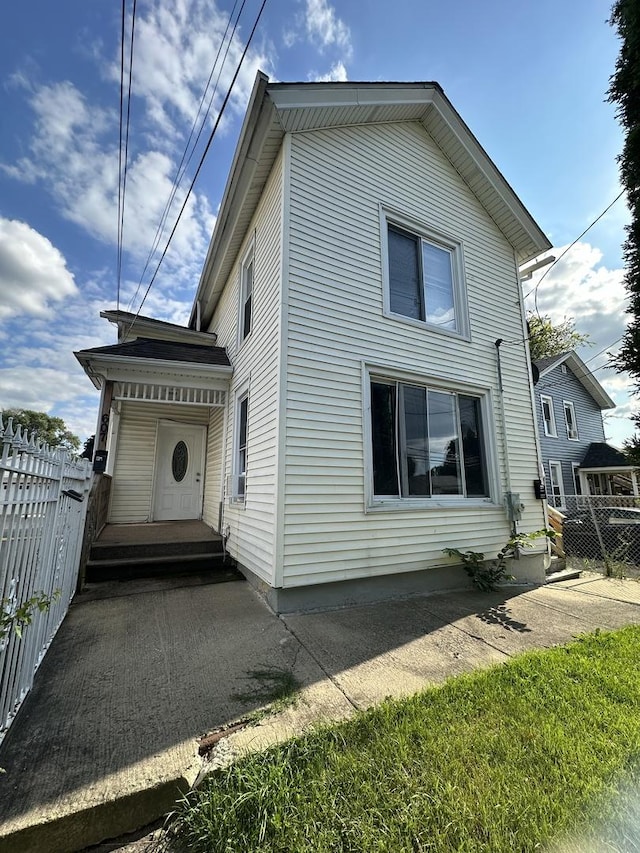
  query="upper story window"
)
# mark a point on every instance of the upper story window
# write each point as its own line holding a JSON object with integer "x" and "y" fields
{"x": 426, "y": 442}
{"x": 570, "y": 420}
{"x": 246, "y": 294}
{"x": 425, "y": 279}
{"x": 548, "y": 417}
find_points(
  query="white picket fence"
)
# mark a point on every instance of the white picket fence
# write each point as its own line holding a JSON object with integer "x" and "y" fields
{"x": 43, "y": 502}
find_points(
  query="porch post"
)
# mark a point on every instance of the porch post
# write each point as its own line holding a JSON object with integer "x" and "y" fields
{"x": 102, "y": 427}
{"x": 634, "y": 482}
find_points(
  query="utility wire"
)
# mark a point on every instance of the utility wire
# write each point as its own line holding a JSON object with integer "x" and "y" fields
{"x": 119, "y": 253}
{"x": 186, "y": 160}
{"x": 126, "y": 152}
{"x": 534, "y": 290}
{"x": 202, "y": 159}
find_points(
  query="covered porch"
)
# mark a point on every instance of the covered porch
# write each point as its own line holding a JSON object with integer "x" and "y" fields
{"x": 160, "y": 434}
{"x": 605, "y": 471}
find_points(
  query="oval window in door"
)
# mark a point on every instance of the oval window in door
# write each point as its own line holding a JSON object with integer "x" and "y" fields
{"x": 179, "y": 461}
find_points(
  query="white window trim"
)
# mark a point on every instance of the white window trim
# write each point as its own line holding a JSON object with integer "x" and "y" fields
{"x": 373, "y": 503}
{"x": 547, "y": 398}
{"x": 568, "y": 404}
{"x": 234, "y": 493}
{"x": 392, "y": 217}
{"x": 248, "y": 258}
{"x": 562, "y": 496}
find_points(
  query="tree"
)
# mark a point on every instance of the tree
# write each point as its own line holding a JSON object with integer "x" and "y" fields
{"x": 624, "y": 90}
{"x": 47, "y": 427}
{"x": 546, "y": 340}
{"x": 631, "y": 449}
{"x": 87, "y": 448}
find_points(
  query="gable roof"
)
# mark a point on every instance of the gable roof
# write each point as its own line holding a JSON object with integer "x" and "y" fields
{"x": 581, "y": 373}
{"x": 278, "y": 108}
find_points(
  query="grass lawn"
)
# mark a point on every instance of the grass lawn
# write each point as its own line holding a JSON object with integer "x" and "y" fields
{"x": 505, "y": 759}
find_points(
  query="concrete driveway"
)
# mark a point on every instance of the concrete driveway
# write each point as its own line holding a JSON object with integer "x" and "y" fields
{"x": 109, "y": 734}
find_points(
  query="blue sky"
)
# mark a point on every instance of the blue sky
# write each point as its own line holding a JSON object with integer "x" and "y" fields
{"x": 529, "y": 79}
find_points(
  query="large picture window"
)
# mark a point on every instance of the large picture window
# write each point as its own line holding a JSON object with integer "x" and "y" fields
{"x": 426, "y": 442}
{"x": 424, "y": 280}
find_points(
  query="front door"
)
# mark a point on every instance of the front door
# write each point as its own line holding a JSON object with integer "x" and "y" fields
{"x": 179, "y": 472}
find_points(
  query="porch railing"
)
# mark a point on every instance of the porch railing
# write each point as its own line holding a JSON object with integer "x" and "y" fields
{"x": 43, "y": 500}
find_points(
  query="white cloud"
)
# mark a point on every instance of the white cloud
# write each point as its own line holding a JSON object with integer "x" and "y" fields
{"x": 579, "y": 286}
{"x": 336, "y": 74}
{"x": 325, "y": 28}
{"x": 33, "y": 273}
{"x": 74, "y": 146}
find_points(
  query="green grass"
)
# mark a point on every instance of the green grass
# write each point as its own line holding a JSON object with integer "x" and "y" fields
{"x": 500, "y": 760}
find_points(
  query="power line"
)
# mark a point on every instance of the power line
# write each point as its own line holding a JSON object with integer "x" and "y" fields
{"x": 202, "y": 159}
{"x": 184, "y": 160}
{"x": 119, "y": 253}
{"x": 121, "y": 206}
{"x": 534, "y": 290}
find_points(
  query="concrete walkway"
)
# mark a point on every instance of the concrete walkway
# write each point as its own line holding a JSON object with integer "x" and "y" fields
{"x": 109, "y": 733}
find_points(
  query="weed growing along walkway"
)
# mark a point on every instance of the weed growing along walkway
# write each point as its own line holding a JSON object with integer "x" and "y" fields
{"x": 500, "y": 760}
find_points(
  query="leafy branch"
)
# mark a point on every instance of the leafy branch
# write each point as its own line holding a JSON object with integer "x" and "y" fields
{"x": 486, "y": 575}
{"x": 16, "y": 616}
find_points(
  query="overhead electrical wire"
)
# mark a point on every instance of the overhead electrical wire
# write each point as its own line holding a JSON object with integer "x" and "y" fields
{"x": 122, "y": 170}
{"x": 187, "y": 156}
{"x": 202, "y": 159}
{"x": 548, "y": 270}
{"x": 119, "y": 253}
{"x": 534, "y": 290}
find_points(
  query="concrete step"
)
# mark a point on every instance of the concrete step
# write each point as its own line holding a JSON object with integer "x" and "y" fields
{"x": 563, "y": 575}
{"x": 125, "y": 551}
{"x": 156, "y": 566}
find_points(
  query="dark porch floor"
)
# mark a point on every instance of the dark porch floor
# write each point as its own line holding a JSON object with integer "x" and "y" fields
{"x": 157, "y": 532}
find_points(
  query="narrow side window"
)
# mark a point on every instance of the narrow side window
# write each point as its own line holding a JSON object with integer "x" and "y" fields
{"x": 246, "y": 295}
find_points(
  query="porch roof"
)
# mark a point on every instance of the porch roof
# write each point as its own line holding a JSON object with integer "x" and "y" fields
{"x": 602, "y": 455}
{"x": 152, "y": 348}
{"x": 158, "y": 363}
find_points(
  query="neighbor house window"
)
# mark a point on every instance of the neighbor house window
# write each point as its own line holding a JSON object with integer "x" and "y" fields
{"x": 548, "y": 417}
{"x": 576, "y": 478}
{"x": 557, "y": 487}
{"x": 426, "y": 442}
{"x": 570, "y": 420}
{"x": 246, "y": 294}
{"x": 240, "y": 462}
{"x": 425, "y": 279}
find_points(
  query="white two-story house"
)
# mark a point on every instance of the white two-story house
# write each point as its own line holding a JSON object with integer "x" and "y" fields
{"x": 353, "y": 393}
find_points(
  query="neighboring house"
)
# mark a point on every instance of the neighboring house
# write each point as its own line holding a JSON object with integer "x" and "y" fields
{"x": 575, "y": 456}
{"x": 340, "y": 408}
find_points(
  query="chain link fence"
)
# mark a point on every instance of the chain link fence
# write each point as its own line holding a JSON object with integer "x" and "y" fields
{"x": 599, "y": 533}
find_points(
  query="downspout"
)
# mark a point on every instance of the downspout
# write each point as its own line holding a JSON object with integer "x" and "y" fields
{"x": 508, "y": 495}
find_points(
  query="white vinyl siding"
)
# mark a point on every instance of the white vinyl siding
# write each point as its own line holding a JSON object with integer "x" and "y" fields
{"x": 214, "y": 470}
{"x": 340, "y": 180}
{"x": 132, "y": 486}
{"x": 256, "y": 365}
